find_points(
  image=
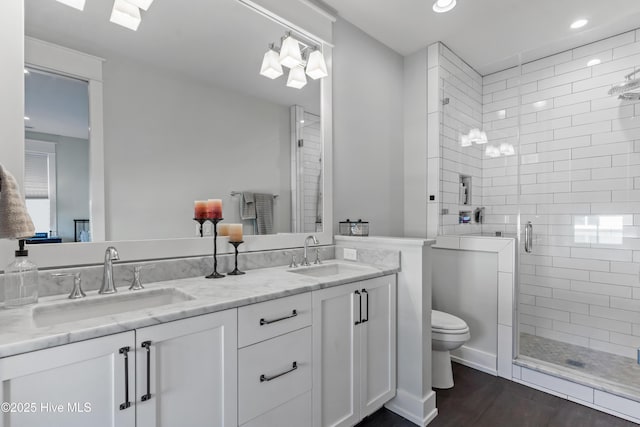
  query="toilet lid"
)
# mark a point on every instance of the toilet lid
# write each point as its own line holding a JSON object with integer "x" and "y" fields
{"x": 441, "y": 321}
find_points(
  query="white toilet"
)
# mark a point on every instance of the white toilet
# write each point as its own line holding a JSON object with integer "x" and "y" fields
{"x": 448, "y": 332}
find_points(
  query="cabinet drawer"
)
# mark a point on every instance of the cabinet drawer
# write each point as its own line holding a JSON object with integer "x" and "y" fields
{"x": 262, "y": 381}
{"x": 294, "y": 413}
{"x": 259, "y": 322}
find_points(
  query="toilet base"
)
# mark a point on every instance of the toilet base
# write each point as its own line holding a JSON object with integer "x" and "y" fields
{"x": 441, "y": 372}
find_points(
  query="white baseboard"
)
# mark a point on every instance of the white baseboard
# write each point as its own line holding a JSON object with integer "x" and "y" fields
{"x": 476, "y": 359}
{"x": 420, "y": 411}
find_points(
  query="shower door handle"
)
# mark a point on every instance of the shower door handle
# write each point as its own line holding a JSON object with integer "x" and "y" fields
{"x": 528, "y": 237}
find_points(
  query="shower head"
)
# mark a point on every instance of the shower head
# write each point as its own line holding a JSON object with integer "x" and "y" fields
{"x": 629, "y": 89}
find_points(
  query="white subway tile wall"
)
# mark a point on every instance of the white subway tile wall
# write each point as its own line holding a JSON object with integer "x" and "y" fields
{"x": 312, "y": 152}
{"x": 461, "y": 97}
{"x": 579, "y": 184}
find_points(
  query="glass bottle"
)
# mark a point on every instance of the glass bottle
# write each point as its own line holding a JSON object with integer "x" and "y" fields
{"x": 20, "y": 280}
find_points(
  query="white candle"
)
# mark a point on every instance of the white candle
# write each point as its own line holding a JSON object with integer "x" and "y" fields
{"x": 235, "y": 232}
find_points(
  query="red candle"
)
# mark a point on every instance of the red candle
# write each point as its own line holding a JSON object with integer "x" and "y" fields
{"x": 200, "y": 209}
{"x": 214, "y": 208}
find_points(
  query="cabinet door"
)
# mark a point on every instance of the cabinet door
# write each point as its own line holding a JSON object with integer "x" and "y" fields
{"x": 336, "y": 355}
{"x": 378, "y": 342}
{"x": 74, "y": 385}
{"x": 190, "y": 366}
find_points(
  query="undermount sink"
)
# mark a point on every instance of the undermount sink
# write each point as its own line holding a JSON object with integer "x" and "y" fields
{"x": 326, "y": 270}
{"x": 105, "y": 305}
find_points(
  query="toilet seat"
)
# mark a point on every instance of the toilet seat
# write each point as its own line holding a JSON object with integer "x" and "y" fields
{"x": 445, "y": 323}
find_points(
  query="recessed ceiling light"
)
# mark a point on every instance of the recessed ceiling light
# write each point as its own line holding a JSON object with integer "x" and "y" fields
{"x": 594, "y": 61}
{"x": 27, "y": 118}
{"x": 26, "y": 71}
{"x": 441, "y": 6}
{"x": 579, "y": 24}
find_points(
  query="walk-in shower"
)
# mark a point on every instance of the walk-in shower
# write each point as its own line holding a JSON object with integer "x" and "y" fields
{"x": 562, "y": 154}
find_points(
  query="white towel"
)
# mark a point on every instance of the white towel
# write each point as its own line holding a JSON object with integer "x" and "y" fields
{"x": 15, "y": 222}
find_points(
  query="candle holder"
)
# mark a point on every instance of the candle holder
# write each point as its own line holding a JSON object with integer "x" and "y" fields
{"x": 215, "y": 274}
{"x": 235, "y": 271}
{"x": 201, "y": 221}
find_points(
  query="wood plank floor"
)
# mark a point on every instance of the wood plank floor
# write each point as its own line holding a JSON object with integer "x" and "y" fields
{"x": 482, "y": 400}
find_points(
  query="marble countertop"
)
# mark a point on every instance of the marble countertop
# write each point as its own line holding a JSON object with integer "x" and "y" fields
{"x": 20, "y": 333}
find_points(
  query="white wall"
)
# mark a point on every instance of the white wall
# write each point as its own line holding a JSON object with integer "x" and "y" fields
{"x": 12, "y": 102}
{"x": 368, "y": 131}
{"x": 579, "y": 165}
{"x": 465, "y": 284}
{"x": 170, "y": 141}
{"x": 415, "y": 144}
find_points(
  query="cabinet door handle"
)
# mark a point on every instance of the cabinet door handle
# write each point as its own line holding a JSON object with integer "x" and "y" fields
{"x": 125, "y": 352}
{"x": 264, "y": 378}
{"x": 147, "y": 345}
{"x": 364, "y": 292}
{"x": 263, "y": 322}
{"x": 357, "y": 322}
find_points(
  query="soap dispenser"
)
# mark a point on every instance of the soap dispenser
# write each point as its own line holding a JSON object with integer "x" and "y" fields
{"x": 20, "y": 280}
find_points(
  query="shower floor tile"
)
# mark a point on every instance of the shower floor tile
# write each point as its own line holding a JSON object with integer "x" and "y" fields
{"x": 609, "y": 367}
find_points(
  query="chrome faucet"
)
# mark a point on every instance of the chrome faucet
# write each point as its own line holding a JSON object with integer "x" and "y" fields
{"x": 110, "y": 255}
{"x": 305, "y": 260}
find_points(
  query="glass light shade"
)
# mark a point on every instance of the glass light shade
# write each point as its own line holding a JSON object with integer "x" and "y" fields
{"x": 142, "y": 4}
{"x": 125, "y": 14}
{"x": 507, "y": 149}
{"x": 465, "y": 141}
{"x": 296, "y": 78}
{"x": 441, "y": 6}
{"x": 290, "y": 55}
{"x": 76, "y": 4}
{"x": 271, "y": 67}
{"x": 492, "y": 151}
{"x": 316, "y": 67}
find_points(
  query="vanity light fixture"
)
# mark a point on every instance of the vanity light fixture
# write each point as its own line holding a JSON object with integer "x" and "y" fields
{"x": 296, "y": 77}
{"x": 316, "y": 67}
{"x": 126, "y": 14}
{"x": 299, "y": 57}
{"x": 290, "y": 55}
{"x": 465, "y": 141}
{"x": 271, "y": 66}
{"x": 579, "y": 23}
{"x": 76, "y": 4}
{"x": 441, "y": 6}
{"x": 507, "y": 149}
{"x": 492, "y": 151}
{"x": 476, "y": 136}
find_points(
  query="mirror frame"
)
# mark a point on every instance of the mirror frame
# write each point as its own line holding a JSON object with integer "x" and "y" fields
{"x": 74, "y": 254}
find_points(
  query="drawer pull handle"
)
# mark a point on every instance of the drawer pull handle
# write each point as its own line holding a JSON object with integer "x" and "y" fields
{"x": 263, "y": 322}
{"x": 127, "y": 403}
{"x": 264, "y": 378}
{"x": 147, "y": 345}
{"x": 364, "y": 292}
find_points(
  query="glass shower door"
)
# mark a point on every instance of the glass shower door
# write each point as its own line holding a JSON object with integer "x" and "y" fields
{"x": 578, "y": 296}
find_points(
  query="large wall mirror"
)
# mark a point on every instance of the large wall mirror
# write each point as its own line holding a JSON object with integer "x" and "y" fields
{"x": 185, "y": 116}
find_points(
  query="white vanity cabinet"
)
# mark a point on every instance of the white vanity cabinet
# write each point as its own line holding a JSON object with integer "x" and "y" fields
{"x": 354, "y": 350}
{"x": 171, "y": 374}
{"x": 186, "y": 372}
{"x": 74, "y": 385}
{"x": 274, "y": 363}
